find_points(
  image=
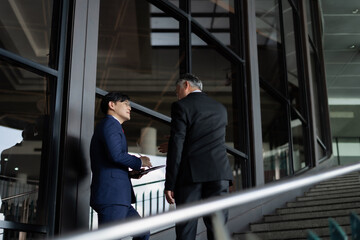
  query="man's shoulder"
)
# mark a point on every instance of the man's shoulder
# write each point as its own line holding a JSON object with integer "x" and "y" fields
{"x": 107, "y": 122}
{"x": 201, "y": 98}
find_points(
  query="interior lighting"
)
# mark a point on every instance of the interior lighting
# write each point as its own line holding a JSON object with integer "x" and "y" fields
{"x": 344, "y": 101}
{"x": 6, "y": 159}
{"x": 352, "y": 46}
{"x": 342, "y": 114}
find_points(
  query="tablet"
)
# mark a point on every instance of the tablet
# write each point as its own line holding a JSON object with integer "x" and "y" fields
{"x": 138, "y": 174}
{"x": 144, "y": 171}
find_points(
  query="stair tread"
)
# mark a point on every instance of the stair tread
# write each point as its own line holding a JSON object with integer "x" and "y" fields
{"x": 318, "y": 208}
{"x": 298, "y": 224}
{"x": 335, "y": 198}
{"x": 329, "y": 196}
{"x": 323, "y": 202}
{"x": 312, "y": 215}
{"x": 322, "y": 232}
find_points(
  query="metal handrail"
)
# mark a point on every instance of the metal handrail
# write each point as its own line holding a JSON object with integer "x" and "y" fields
{"x": 148, "y": 183}
{"x": 206, "y": 207}
{"x": 19, "y": 195}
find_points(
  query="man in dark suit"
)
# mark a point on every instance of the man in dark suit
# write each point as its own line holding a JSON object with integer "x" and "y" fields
{"x": 197, "y": 163}
{"x": 111, "y": 189}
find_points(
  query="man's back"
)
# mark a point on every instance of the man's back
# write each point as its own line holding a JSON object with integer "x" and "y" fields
{"x": 204, "y": 155}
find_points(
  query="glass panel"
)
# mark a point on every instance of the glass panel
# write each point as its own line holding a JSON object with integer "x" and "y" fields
{"x": 10, "y": 234}
{"x": 270, "y": 53}
{"x": 309, "y": 10}
{"x": 349, "y": 150}
{"x": 275, "y": 134}
{"x": 319, "y": 125}
{"x": 135, "y": 59}
{"x": 294, "y": 92}
{"x": 25, "y": 28}
{"x": 298, "y": 128}
{"x": 214, "y": 16}
{"x": 24, "y": 129}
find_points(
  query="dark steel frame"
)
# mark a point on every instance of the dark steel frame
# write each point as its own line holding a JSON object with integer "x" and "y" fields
{"x": 60, "y": 17}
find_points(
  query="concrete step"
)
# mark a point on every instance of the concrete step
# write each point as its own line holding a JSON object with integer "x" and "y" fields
{"x": 332, "y": 188}
{"x": 343, "y": 181}
{"x": 333, "y": 195}
{"x": 337, "y": 206}
{"x": 298, "y": 224}
{"x": 323, "y": 202}
{"x": 335, "y": 198}
{"x": 311, "y": 215}
{"x": 294, "y": 234}
{"x": 344, "y": 177}
{"x": 329, "y": 192}
{"x": 338, "y": 184}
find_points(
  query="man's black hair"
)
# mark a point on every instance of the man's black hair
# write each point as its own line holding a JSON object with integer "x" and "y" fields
{"x": 112, "y": 97}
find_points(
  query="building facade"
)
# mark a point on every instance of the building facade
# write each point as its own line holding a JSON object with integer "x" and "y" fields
{"x": 262, "y": 59}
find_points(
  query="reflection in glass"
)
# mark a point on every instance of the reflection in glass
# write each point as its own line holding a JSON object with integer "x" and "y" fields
{"x": 309, "y": 19}
{"x": 316, "y": 84}
{"x": 10, "y": 234}
{"x": 297, "y": 128}
{"x": 138, "y": 55}
{"x": 24, "y": 121}
{"x": 347, "y": 150}
{"x": 25, "y": 28}
{"x": 319, "y": 126}
{"x": 295, "y": 95}
{"x": 269, "y": 43}
{"x": 214, "y": 16}
{"x": 275, "y": 136}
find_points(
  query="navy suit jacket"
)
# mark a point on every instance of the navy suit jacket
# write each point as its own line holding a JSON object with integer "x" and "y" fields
{"x": 196, "y": 150}
{"x": 109, "y": 165}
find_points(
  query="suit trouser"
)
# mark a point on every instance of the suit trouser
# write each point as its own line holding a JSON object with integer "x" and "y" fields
{"x": 112, "y": 213}
{"x": 193, "y": 192}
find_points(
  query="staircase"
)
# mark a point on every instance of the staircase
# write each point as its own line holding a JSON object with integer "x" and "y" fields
{"x": 334, "y": 198}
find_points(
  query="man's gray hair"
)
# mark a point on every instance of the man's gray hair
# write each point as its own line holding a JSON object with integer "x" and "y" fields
{"x": 193, "y": 80}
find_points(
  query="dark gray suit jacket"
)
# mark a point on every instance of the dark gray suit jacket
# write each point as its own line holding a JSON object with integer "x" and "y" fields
{"x": 196, "y": 151}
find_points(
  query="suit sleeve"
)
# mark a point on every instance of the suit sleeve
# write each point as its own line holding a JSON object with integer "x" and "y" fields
{"x": 176, "y": 144}
{"x": 116, "y": 146}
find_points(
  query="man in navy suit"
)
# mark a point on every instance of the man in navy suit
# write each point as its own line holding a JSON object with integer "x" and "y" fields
{"x": 197, "y": 163}
{"x": 111, "y": 189}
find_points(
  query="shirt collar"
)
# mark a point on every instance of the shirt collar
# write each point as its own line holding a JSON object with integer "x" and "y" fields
{"x": 115, "y": 118}
{"x": 197, "y": 90}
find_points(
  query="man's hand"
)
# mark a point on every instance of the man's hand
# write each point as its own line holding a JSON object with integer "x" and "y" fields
{"x": 135, "y": 174}
{"x": 169, "y": 196}
{"x": 145, "y": 162}
{"x": 163, "y": 147}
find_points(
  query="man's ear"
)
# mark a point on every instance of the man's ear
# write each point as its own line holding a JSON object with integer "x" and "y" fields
{"x": 111, "y": 105}
{"x": 186, "y": 85}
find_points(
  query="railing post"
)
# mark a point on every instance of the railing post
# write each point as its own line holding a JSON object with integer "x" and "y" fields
{"x": 164, "y": 202}
{"x": 220, "y": 231}
{"x": 355, "y": 226}
{"x": 143, "y": 204}
{"x": 157, "y": 201}
{"x": 336, "y": 232}
{"x": 150, "y": 202}
{"x": 338, "y": 150}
